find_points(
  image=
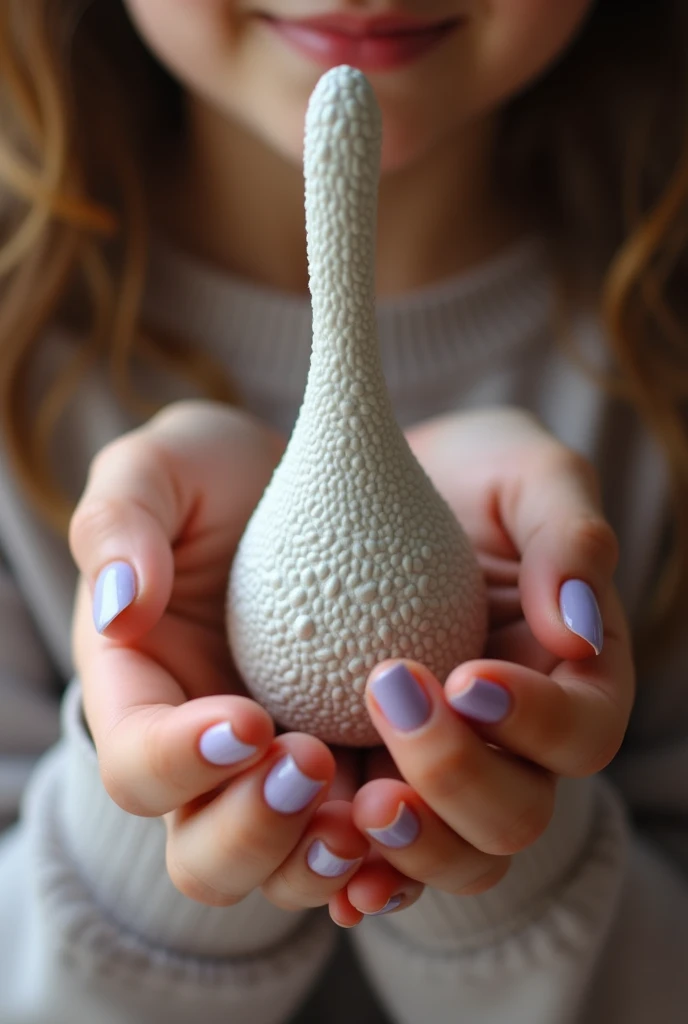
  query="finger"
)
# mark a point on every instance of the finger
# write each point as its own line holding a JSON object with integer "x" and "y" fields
{"x": 220, "y": 852}
{"x": 571, "y": 722}
{"x": 326, "y": 858}
{"x": 568, "y": 553}
{"x": 419, "y": 844}
{"x": 377, "y": 888}
{"x": 157, "y": 757}
{"x": 495, "y": 802}
{"x": 178, "y": 472}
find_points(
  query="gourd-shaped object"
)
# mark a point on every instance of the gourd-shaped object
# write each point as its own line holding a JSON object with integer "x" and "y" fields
{"x": 351, "y": 555}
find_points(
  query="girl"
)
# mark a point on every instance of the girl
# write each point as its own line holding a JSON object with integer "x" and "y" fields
{"x": 503, "y": 857}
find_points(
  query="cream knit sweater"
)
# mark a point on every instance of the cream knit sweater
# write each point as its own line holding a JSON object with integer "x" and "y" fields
{"x": 590, "y": 925}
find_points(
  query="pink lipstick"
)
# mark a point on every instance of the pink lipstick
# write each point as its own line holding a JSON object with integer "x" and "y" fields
{"x": 372, "y": 44}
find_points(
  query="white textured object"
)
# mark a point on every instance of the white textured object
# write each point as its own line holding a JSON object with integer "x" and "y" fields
{"x": 351, "y": 556}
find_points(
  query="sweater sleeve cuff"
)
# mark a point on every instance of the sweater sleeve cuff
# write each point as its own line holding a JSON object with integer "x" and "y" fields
{"x": 121, "y": 859}
{"x": 536, "y": 878}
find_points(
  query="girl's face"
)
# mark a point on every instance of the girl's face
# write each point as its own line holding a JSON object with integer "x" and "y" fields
{"x": 437, "y": 66}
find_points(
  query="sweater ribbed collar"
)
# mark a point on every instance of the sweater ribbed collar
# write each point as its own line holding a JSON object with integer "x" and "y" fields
{"x": 264, "y": 335}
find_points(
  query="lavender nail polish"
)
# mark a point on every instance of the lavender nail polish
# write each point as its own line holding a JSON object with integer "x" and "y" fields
{"x": 402, "y": 700}
{"x": 483, "y": 701}
{"x": 400, "y": 832}
{"x": 323, "y": 862}
{"x": 286, "y": 789}
{"x": 219, "y": 745}
{"x": 391, "y": 904}
{"x": 115, "y": 590}
{"x": 581, "y": 613}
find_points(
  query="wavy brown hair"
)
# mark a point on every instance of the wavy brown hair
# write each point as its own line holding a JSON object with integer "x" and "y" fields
{"x": 595, "y": 153}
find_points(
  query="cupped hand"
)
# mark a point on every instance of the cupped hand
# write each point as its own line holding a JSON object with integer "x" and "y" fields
{"x": 154, "y": 535}
{"x": 470, "y": 769}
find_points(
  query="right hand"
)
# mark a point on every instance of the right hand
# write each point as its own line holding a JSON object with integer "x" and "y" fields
{"x": 171, "y": 501}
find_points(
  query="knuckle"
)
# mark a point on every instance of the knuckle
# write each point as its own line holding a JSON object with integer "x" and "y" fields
{"x": 560, "y": 460}
{"x": 553, "y": 734}
{"x": 245, "y": 847}
{"x": 487, "y": 881}
{"x": 123, "y": 792}
{"x": 194, "y": 888}
{"x": 93, "y": 521}
{"x": 596, "y": 540}
{"x": 599, "y": 742}
{"x": 278, "y": 900}
{"x": 563, "y": 745}
{"x": 134, "y": 790}
{"x": 289, "y": 894}
{"x": 524, "y": 830}
{"x": 580, "y": 729}
{"x": 162, "y": 761}
{"x": 447, "y": 772}
{"x": 582, "y": 467}
{"x": 100, "y": 462}
{"x": 436, "y": 869}
{"x": 609, "y": 741}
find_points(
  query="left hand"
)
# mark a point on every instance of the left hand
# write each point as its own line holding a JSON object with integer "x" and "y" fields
{"x": 476, "y": 774}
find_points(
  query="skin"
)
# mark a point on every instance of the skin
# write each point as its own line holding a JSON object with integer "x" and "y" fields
{"x": 238, "y": 200}
{"x": 165, "y": 499}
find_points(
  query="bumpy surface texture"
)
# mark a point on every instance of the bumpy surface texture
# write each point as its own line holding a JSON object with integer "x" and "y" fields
{"x": 351, "y": 556}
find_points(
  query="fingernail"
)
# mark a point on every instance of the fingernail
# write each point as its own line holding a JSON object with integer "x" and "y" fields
{"x": 327, "y": 864}
{"x": 483, "y": 701}
{"x": 115, "y": 589}
{"x": 287, "y": 789}
{"x": 391, "y": 904}
{"x": 401, "y": 699}
{"x": 401, "y": 832}
{"x": 581, "y": 613}
{"x": 219, "y": 745}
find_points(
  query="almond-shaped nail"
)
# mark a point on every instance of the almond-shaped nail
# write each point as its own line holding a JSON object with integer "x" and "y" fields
{"x": 286, "y": 789}
{"x": 114, "y": 591}
{"x": 323, "y": 862}
{"x": 581, "y": 613}
{"x": 220, "y": 746}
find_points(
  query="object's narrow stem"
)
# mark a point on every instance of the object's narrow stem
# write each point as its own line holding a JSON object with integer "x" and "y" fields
{"x": 342, "y": 164}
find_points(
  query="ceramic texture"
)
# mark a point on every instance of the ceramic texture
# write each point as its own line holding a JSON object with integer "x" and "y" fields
{"x": 351, "y": 556}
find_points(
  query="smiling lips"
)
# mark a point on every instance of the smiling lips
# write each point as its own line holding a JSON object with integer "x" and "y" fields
{"x": 371, "y": 44}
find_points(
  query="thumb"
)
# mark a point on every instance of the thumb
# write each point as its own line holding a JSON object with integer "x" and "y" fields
{"x": 196, "y": 470}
